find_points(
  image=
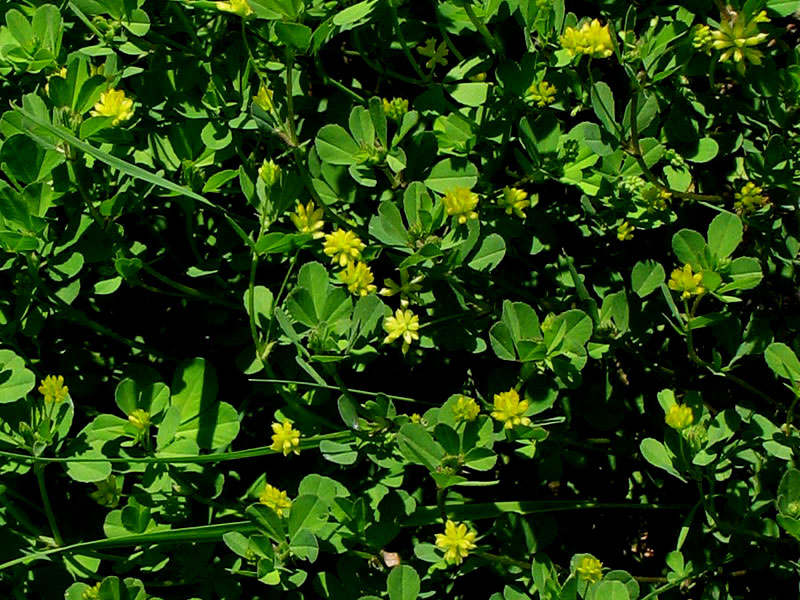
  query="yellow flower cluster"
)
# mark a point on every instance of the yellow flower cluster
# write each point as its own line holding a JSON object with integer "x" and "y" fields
{"x": 403, "y": 324}
{"x": 509, "y": 409}
{"x": 590, "y": 569}
{"x": 679, "y": 416}
{"x": 285, "y": 438}
{"x": 275, "y": 499}
{"x": 358, "y": 278}
{"x": 466, "y": 409}
{"x": 625, "y": 232}
{"x": 263, "y": 99}
{"x": 456, "y": 541}
{"x": 113, "y": 103}
{"x": 542, "y": 93}
{"x": 343, "y": 247}
{"x": 53, "y": 389}
{"x": 514, "y": 200}
{"x": 395, "y": 108}
{"x": 687, "y": 282}
{"x": 308, "y": 219}
{"x": 269, "y": 173}
{"x": 592, "y": 39}
{"x": 140, "y": 419}
{"x": 460, "y": 202}
{"x": 749, "y": 198}
{"x": 737, "y": 36}
{"x": 237, "y": 7}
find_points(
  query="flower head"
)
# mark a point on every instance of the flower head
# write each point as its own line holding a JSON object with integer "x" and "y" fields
{"x": 269, "y": 172}
{"x": 140, "y": 419}
{"x": 590, "y": 569}
{"x": 461, "y": 202}
{"x": 263, "y": 99}
{"x": 592, "y": 39}
{"x": 466, "y": 409}
{"x": 308, "y": 219}
{"x": 749, "y": 198}
{"x": 541, "y": 94}
{"x": 687, "y": 282}
{"x": 275, "y": 499}
{"x": 403, "y": 324}
{"x": 515, "y": 200}
{"x": 285, "y": 438}
{"x": 737, "y": 37}
{"x": 237, "y": 7}
{"x": 702, "y": 38}
{"x": 456, "y": 541}
{"x": 358, "y": 278}
{"x": 92, "y": 593}
{"x": 625, "y": 231}
{"x": 396, "y": 108}
{"x": 509, "y": 409}
{"x": 679, "y": 416}
{"x": 343, "y": 247}
{"x": 113, "y": 103}
{"x": 53, "y": 389}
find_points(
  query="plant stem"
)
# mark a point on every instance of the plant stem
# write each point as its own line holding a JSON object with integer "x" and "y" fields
{"x": 404, "y": 44}
{"x": 48, "y": 509}
{"x": 491, "y": 41}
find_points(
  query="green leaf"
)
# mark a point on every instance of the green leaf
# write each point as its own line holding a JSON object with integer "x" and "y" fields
{"x": 89, "y": 472}
{"x": 194, "y": 388}
{"x": 783, "y": 362}
{"x": 150, "y": 396}
{"x": 646, "y": 277}
{"x": 707, "y": 149}
{"x": 294, "y": 35}
{"x": 267, "y": 521}
{"x": 657, "y": 455}
{"x": 744, "y": 273}
{"x": 387, "y": 226}
{"x": 354, "y": 15}
{"x": 313, "y": 278}
{"x": 334, "y": 145}
{"x": 451, "y": 173}
{"x": 724, "y": 234}
{"x": 690, "y": 247}
{"x": 470, "y": 93}
{"x": 610, "y": 590}
{"x": 215, "y": 427}
{"x": 15, "y": 380}
{"x": 604, "y": 107}
{"x": 304, "y": 545}
{"x": 309, "y": 512}
{"x": 418, "y": 446}
{"x": 403, "y": 583}
{"x": 489, "y": 253}
{"x": 502, "y": 341}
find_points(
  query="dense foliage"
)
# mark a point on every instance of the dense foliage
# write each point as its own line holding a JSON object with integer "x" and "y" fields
{"x": 389, "y": 299}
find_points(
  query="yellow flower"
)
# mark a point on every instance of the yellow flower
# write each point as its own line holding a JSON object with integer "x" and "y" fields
{"x": 275, "y": 499}
{"x": 456, "y": 542}
{"x": 140, "y": 419}
{"x": 590, "y": 569}
{"x": 358, "y": 278}
{"x": 749, "y": 198}
{"x": 264, "y": 98}
{"x": 625, "y": 231}
{"x": 396, "y": 108}
{"x": 237, "y": 7}
{"x": 403, "y": 324}
{"x": 92, "y": 593}
{"x": 53, "y": 389}
{"x": 415, "y": 418}
{"x": 541, "y": 93}
{"x": 510, "y": 409}
{"x": 461, "y": 202}
{"x": 308, "y": 219}
{"x": 343, "y": 246}
{"x": 686, "y": 282}
{"x": 113, "y": 103}
{"x": 514, "y": 200}
{"x": 406, "y": 288}
{"x": 466, "y": 409}
{"x": 285, "y": 438}
{"x": 592, "y": 39}
{"x": 702, "y": 38}
{"x": 737, "y": 37}
{"x": 679, "y": 416}
{"x": 269, "y": 172}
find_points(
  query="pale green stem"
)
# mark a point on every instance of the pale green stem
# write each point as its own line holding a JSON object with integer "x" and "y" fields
{"x": 48, "y": 509}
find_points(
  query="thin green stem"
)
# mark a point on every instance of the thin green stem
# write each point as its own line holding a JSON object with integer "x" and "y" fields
{"x": 503, "y": 560}
{"x": 328, "y": 80}
{"x": 334, "y": 387}
{"x": 48, "y": 509}
{"x": 404, "y": 44}
{"x": 290, "y": 98}
{"x": 491, "y": 41}
{"x": 277, "y": 300}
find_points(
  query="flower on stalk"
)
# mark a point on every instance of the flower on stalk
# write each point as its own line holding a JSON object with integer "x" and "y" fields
{"x": 92, "y": 593}
{"x": 113, "y": 103}
{"x": 358, "y": 278}
{"x": 274, "y": 498}
{"x": 406, "y": 288}
{"x": 140, "y": 419}
{"x": 396, "y": 108}
{"x": 53, "y": 389}
{"x": 269, "y": 173}
{"x": 625, "y": 232}
{"x": 542, "y": 94}
{"x": 403, "y": 324}
{"x": 237, "y": 7}
{"x": 686, "y": 282}
{"x": 590, "y": 569}
{"x": 679, "y": 416}
{"x": 592, "y": 39}
{"x": 509, "y": 409}
{"x": 461, "y": 202}
{"x": 514, "y": 200}
{"x": 263, "y": 99}
{"x": 308, "y": 219}
{"x": 343, "y": 247}
{"x": 466, "y": 409}
{"x": 749, "y": 198}
{"x": 703, "y": 38}
{"x": 285, "y": 438}
{"x": 737, "y": 37}
{"x": 456, "y": 541}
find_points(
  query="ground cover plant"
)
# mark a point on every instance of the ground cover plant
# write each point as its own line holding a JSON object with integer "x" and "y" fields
{"x": 390, "y": 299}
